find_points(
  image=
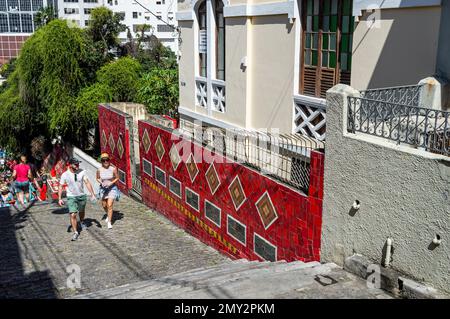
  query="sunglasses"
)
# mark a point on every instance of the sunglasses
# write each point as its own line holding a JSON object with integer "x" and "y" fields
{"x": 104, "y": 160}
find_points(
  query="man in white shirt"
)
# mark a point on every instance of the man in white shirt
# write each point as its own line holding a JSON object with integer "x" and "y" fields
{"x": 74, "y": 179}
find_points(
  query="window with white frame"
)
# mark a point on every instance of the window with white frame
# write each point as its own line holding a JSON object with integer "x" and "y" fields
{"x": 220, "y": 41}
{"x": 203, "y": 47}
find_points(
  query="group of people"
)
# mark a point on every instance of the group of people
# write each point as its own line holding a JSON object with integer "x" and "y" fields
{"x": 21, "y": 187}
{"x": 75, "y": 179}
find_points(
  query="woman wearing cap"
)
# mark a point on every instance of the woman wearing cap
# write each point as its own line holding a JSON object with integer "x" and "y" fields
{"x": 107, "y": 176}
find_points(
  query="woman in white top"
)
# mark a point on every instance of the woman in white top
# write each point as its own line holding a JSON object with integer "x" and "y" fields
{"x": 107, "y": 176}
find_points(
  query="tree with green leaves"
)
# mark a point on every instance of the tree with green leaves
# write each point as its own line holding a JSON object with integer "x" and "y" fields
{"x": 104, "y": 29}
{"x": 44, "y": 16}
{"x": 158, "y": 90}
{"x": 122, "y": 77}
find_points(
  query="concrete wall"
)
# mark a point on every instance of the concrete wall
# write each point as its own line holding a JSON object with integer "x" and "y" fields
{"x": 400, "y": 49}
{"x": 403, "y": 192}
{"x": 259, "y": 95}
{"x": 90, "y": 165}
{"x": 236, "y": 79}
{"x": 272, "y": 65}
{"x": 187, "y": 69}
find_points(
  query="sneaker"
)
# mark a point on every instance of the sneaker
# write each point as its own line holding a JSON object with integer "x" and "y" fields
{"x": 83, "y": 226}
{"x": 109, "y": 225}
{"x": 75, "y": 236}
{"x": 106, "y": 220}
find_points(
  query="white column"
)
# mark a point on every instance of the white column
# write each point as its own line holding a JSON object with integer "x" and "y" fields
{"x": 211, "y": 53}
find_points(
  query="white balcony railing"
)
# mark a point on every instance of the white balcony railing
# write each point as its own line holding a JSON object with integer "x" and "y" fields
{"x": 201, "y": 92}
{"x": 310, "y": 117}
{"x": 218, "y": 97}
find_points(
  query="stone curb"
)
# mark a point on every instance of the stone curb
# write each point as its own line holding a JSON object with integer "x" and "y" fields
{"x": 391, "y": 280}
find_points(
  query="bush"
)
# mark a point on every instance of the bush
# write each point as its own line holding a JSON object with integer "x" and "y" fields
{"x": 122, "y": 78}
{"x": 86, "y": 106}
{"x": 158, "y": 90}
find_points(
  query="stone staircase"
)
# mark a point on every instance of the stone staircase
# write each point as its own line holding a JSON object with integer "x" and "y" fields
{"x": 248, "y": 279}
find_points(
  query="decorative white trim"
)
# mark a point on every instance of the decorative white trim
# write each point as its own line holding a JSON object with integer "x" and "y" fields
{"x": 207, "y": 119}
{"x": 245, "y": 227}
{"x": 211, "y": 52}
{"x": 220, "y": 214}
{"x": 317, "y": 102}
{"x": 249, "y": 10}
{"x": 165, "y": 181}
{"x": 361, "y": 5}
{"x": 187, "y": 189}
{"x": 184, "y": 15}
{"x": 298, "y": 48}
{"x": 181, "y": 188}
{"x": 218, "y": 82}
{"x": 268, "y": 242}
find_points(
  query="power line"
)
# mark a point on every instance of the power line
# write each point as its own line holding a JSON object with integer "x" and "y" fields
{"x": 157, "y": 17}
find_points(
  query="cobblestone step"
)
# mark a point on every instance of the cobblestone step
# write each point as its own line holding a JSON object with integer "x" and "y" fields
{"x": 209, "y": 281}
{"x": 178, "y": 278}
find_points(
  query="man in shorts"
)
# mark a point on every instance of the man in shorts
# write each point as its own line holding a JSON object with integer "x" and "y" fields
{"x": 75, "y": 178}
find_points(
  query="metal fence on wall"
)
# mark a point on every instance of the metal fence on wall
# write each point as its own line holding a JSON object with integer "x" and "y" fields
{"x": 284, "y": 157}
{"x": 405, "y": 95}
{"x": 419, "y": 127}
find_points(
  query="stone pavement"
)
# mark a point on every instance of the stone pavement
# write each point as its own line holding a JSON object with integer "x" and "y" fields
{"x": 35, "y": 250}
{"x": 145, "y": 256}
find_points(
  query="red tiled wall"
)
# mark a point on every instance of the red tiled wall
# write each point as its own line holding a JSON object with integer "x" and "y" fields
{"x": 10, "y": 46}
{"x": 296, "y": 232}
{"x": 114, "y": 123}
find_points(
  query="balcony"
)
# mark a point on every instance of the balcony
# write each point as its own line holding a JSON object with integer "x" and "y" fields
{"x": 218, "y": 97}
{"x": 201, "y": 92}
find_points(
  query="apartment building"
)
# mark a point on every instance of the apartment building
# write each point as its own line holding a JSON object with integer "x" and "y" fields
{"x": 17, "y": 24}
{"x": 17, "y": 19}
{"x": 267, "y": 64}
{"x": 78, "y": 11}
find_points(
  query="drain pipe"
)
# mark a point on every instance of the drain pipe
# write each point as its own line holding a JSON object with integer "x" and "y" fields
{"x": 387, "y": 258}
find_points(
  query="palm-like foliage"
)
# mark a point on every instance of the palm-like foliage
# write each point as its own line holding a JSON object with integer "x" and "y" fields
{"x": 44, "y": 16}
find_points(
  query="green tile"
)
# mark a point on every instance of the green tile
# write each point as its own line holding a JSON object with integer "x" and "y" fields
{"x": 314, "y": 58}
{"x": 333, "y": 23}
{"x": 332, "y": 59}
{"x": 325, "y": 41}
{"x": 316, "y": 23}
{"x": 325, "y": 59}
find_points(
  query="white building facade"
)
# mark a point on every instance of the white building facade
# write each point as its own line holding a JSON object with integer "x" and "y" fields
{"x": 78, "y": 11}
{"x": 17, "y": 19}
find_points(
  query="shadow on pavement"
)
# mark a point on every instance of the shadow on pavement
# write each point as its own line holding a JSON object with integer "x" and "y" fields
{"x": 14, "y": 283}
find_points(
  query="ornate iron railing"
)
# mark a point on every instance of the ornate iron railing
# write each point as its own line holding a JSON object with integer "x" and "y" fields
{"x": 406, "y": 95}
{"x": 423, "y": 128}
{"x": 218, "y": 96}
{"x": 285, "y": 157}
{"x": 201, "y": 92}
